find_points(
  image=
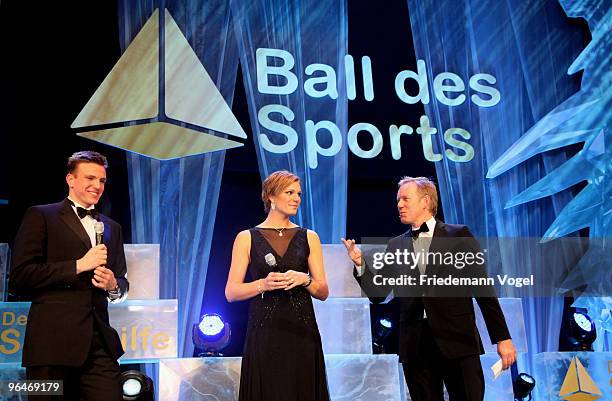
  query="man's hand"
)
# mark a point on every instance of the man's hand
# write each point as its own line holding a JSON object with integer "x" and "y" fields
{"x": 95, "y": 257}
{"x": 104, "y": 279}
{"x": 506, "y": 352}
{"x": 353, "y": 251}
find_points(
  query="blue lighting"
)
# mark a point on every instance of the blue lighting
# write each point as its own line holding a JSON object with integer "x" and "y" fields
{"x": 386, "y": 323}
{"x": 132, "y": 387}
{"x": 583, "y": 321}
{"x": 211, "y": 324}
{"x": 527, "y": 378}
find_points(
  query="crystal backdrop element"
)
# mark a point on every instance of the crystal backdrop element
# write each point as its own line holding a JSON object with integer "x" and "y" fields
{"x": 582, "y": 118}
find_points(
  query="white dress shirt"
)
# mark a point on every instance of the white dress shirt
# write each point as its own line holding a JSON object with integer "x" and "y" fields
{"x": 87, "y": 221}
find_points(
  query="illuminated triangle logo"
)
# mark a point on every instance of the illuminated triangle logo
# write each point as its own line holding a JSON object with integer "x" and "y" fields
{"x": 181, "y": 123}
{"x": 578, "y": 385}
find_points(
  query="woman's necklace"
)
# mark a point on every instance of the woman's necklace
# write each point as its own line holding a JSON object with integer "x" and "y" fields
{"x": 280, "y": 230}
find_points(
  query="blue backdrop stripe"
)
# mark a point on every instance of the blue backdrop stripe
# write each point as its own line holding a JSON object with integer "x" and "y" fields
{"x": 313, "y": 32}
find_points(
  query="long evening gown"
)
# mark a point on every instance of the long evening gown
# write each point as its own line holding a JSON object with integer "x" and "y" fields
{"x": 283, "y": 356}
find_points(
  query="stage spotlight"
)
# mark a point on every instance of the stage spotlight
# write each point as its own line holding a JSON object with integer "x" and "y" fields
{"x": 382, "y": 330}
{"x": 582, "y": 332}
{"x": 385, "y": 324}
{"x": 211, "y": 335}
{"x": 522, "y": 386}
{"x": 135, "y": 386}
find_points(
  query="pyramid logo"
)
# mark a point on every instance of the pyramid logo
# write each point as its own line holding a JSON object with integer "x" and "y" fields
{"x": 172, "y": 112}
{"x": 578, "y": 385}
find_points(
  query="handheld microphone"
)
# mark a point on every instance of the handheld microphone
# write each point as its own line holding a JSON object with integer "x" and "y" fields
{"x": 271, "y": 261}
{"x": 99, "y": 230}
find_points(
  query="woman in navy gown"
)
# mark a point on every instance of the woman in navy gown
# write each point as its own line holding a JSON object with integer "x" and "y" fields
{"x": 283, "y": 356}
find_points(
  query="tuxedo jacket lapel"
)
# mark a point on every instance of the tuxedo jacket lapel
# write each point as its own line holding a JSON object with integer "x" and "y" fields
{"x": 70, "y": 218}
{"x": 406, "y": 242}
{"x": 437, "y": 244}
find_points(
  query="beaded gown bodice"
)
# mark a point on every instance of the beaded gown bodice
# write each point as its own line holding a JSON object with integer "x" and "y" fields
{"x": 291, "y": 252}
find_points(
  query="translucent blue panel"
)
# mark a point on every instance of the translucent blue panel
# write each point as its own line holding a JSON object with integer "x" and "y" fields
{"x": 339, "y": 271}
{"x": 143, "y": 269}
{"x": 344, "y": 324}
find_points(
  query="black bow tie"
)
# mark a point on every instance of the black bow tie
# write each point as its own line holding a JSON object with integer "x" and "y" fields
{"x": 423, "y": 229}
{"x": 85, "y": 212}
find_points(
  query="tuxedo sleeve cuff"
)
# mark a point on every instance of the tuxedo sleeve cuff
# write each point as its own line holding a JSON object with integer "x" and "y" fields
{"x": 68, "y": 274}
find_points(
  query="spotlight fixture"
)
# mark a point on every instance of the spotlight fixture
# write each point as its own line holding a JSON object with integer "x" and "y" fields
{"x": 211, "y": 335}
{"x": 136, "y": 386}
{"x": 382, "y": 330}
{"x": 522, "y": 386}
{"x": 582, "y": 331}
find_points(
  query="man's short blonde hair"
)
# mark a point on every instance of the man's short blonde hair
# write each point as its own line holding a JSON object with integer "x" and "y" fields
{"x": 274, "y": 184}
{"x": 425, "y": 187}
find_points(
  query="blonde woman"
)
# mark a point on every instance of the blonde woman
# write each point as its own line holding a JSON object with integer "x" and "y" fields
{"x": 283, "y": 356}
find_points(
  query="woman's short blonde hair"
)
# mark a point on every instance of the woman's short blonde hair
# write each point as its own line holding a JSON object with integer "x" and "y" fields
{"x": 425, "y": 187}
{"x": 274, "y": 184}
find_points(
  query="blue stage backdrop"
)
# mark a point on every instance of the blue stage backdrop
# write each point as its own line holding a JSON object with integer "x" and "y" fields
{"x": 493, "y": 77}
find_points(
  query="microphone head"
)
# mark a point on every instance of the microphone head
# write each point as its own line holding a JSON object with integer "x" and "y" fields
{"x": 270, "y": 260}
{"x": 99, "y": 227}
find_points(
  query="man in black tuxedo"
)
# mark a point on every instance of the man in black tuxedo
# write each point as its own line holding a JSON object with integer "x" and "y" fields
{"x": 69, "y": 279}
{"x": 439, "y": 340}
